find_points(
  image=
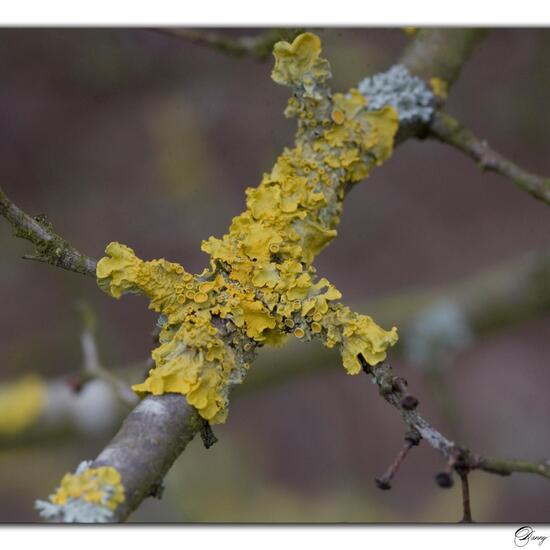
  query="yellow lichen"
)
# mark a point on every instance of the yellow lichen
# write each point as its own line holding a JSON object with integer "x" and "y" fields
{"x": 20, "y": 404}
{"x": 261, "y": 284}
{"x": 101, "y": 486}
{"x": 299, "y": 62}
{"x": 439, "y": 86}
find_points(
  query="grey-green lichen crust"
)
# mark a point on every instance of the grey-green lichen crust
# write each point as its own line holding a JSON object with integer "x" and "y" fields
{"x": 407, "y": 94}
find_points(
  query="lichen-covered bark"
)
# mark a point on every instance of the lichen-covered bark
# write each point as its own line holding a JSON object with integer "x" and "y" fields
{"x": 261, "y": 285}
{"x": 161, "y": 426}
{"x": 488, "y": 300}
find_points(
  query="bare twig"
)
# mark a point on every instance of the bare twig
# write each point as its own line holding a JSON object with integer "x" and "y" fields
{"x": 459, "y": 458}
{"x": 411, "y": 439}
{"x": 466, "y": 510}
{"x": 50, "y": 247}
{"x": 259, "y": 46}
{"x": 450, "y": 131}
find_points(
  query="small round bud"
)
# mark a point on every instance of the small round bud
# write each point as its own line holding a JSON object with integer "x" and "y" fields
{"x": 409, "y": 402}
{"x": 444, "y": 480}
{"x": 383, "y": 484}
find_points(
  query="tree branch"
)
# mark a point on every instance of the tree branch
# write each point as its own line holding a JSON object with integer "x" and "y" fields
{"x": 51, "y": 248}
{"x": 460, "y": 458}
{"x": 505, "y": 467}
{"x": 450, "y": 131}
{"x": 259, "y": 46}
{"x": 466, "y": 509}
{"x": 440, "y": 52}
{"x": 153, "y": 435}
{"x": 159, "y": 428}
{"x": 491, "y": 299}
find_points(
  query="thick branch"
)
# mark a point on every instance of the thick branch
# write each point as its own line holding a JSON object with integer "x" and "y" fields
{"x": 153, "y": 435}
{"x": 50, "y": 247}
{"x": 450, "y": 131}
{"x": 437, "y": 53}
{"x": 440, "y": 52}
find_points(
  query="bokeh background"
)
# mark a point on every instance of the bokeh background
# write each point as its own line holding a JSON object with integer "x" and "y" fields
{"x": 135, "y": 136}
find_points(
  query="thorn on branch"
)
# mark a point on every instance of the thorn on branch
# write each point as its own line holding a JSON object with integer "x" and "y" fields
{"x": 207, "y": 435}
{"x": 364, "y": 365}
{"x": 412, "y": 439}
{"x": 157, "y": 490}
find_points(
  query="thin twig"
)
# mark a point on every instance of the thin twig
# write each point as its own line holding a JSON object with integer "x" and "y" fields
{"x": 50, "y": 247}
{"x": 259, "y": 46}
{"x": 450, "y": 131}
{"x": 466, "y": 511}
{"x": 459, "y": 458}
{"x": 411, "y": 439}
{"x": 505, "y": 467}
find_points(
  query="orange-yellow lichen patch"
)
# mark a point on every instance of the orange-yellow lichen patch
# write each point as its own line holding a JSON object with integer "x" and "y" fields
{"x": 101, "y": 486}
{"x": 439, "y": 86}
{"x": 21, "y": 403}
{"x": 261, "y": 284}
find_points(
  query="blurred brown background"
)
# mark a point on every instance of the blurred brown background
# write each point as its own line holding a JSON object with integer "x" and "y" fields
{"x": 130, "y": 135}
